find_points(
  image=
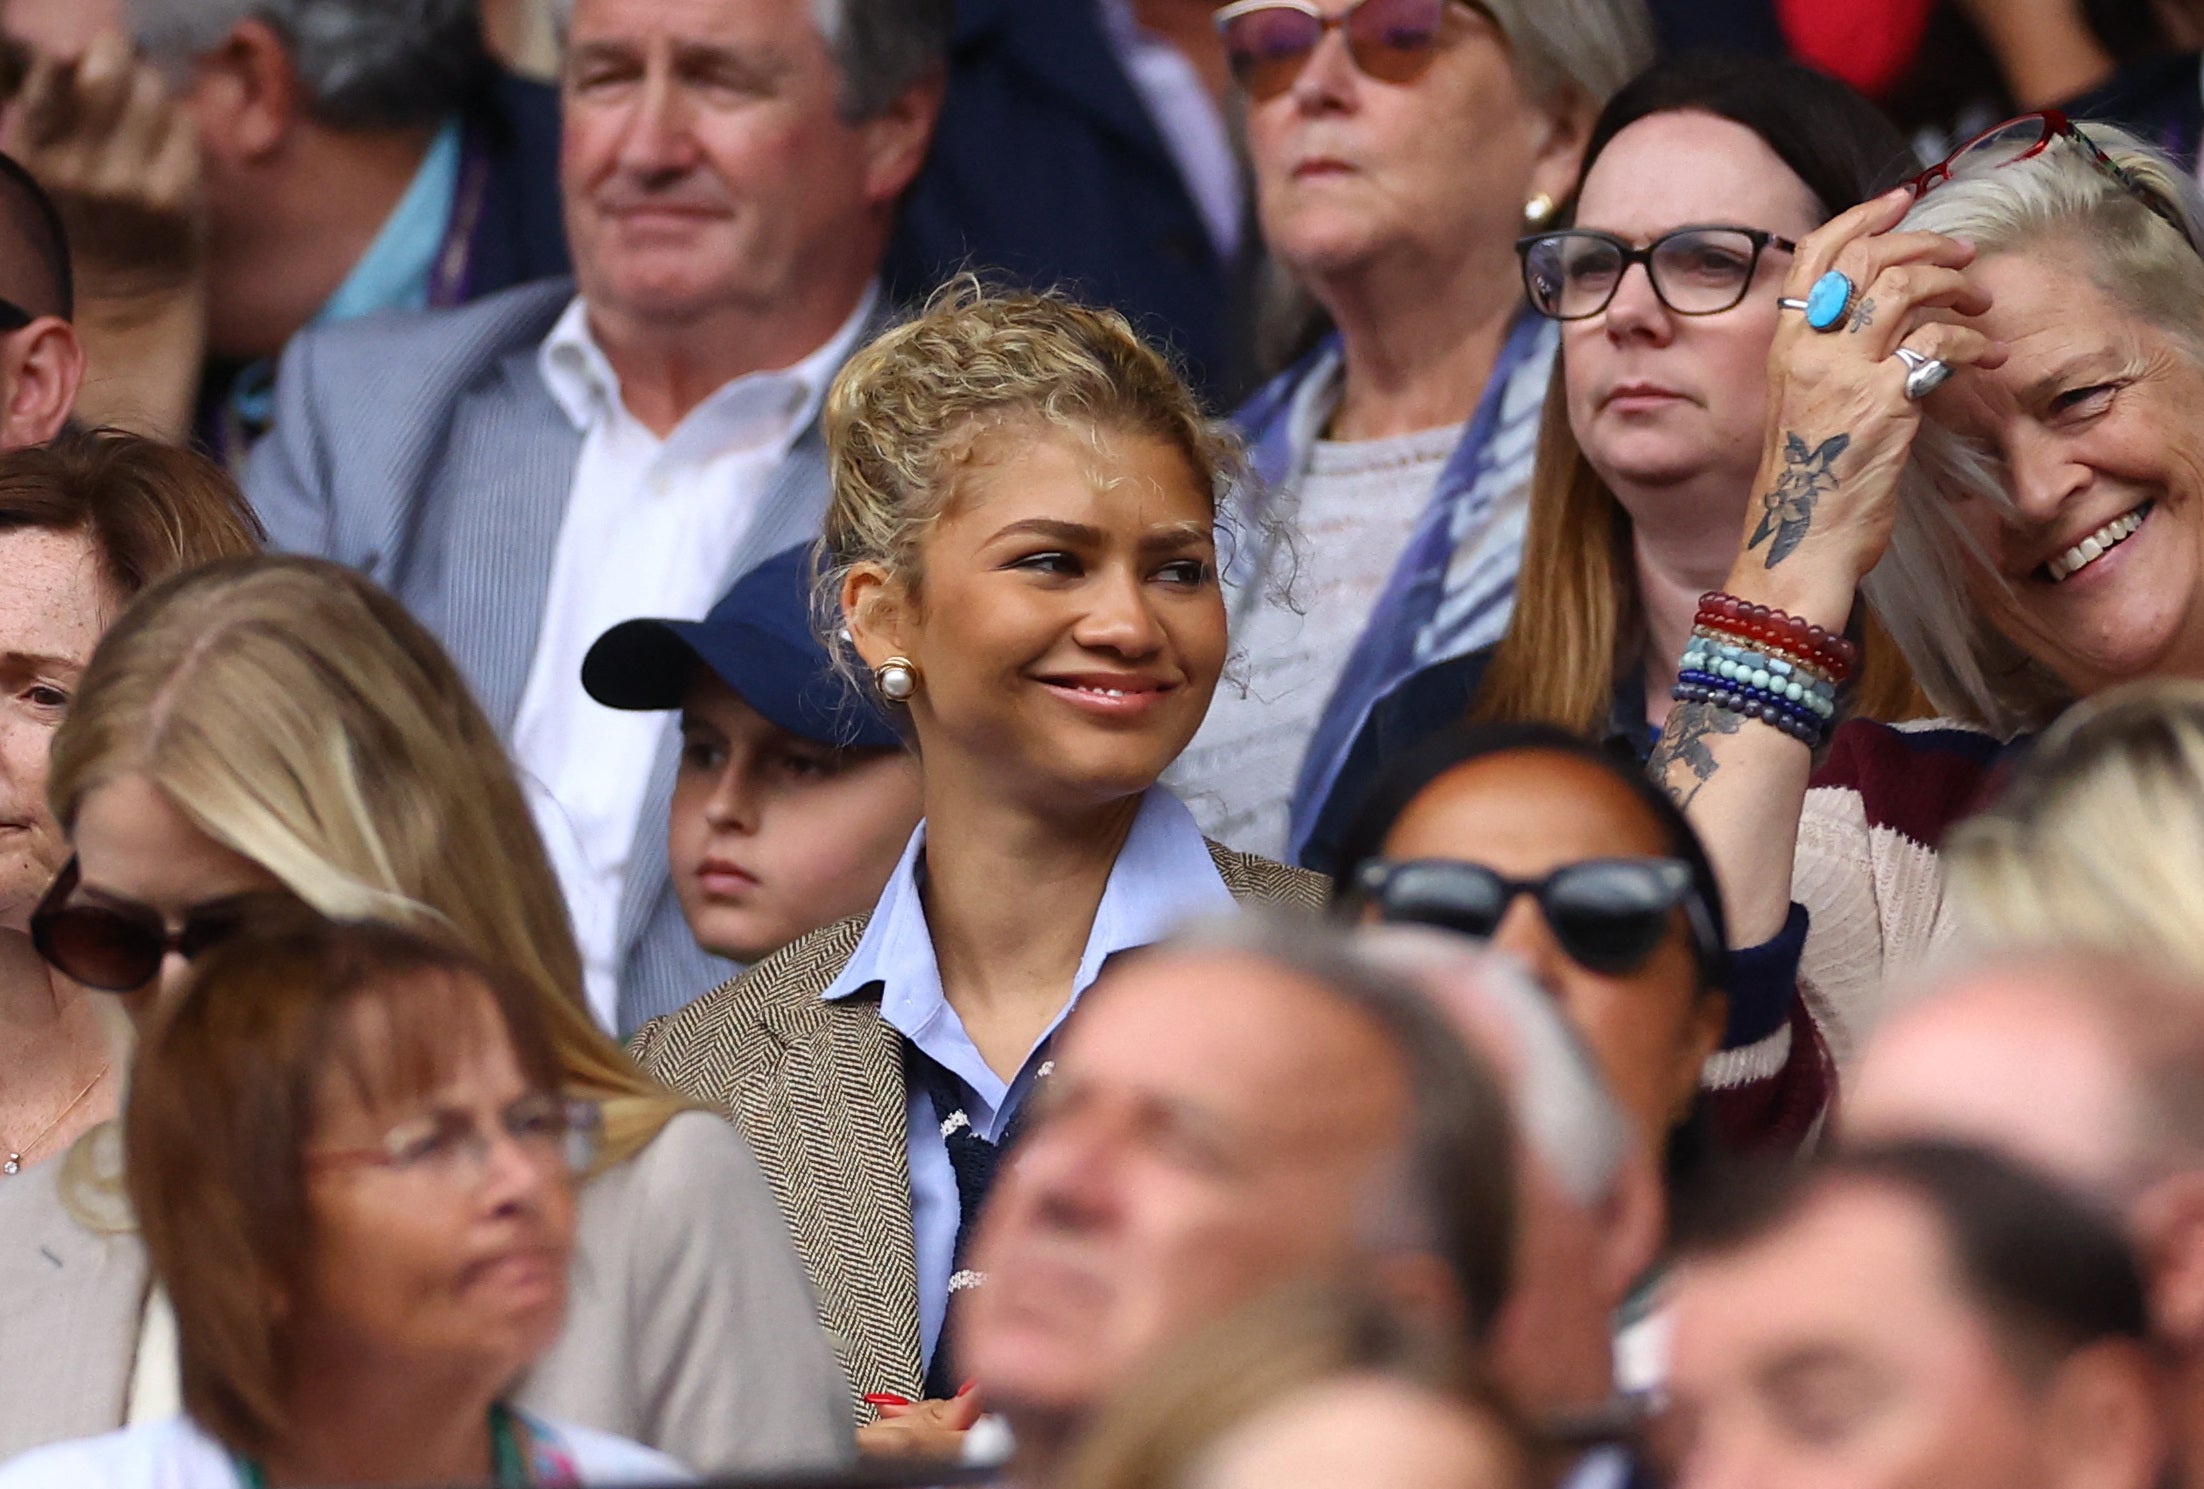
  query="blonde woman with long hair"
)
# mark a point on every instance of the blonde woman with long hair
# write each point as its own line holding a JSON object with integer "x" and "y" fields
{"x": 2097, "y": 841}
{"x": 283, "y": 726}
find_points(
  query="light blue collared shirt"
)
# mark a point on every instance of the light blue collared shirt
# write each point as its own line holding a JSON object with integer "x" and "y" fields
{"x": 1163, "y": 877}
{"x": 396, "y": 271}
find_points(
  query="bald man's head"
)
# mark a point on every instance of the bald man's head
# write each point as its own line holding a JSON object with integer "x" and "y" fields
{"x": 2091, "y": 1067}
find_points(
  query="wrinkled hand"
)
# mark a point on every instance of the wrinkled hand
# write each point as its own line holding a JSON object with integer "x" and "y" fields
{"x": 1840, "y": 428}
{"x": 932, "y": 1431}
{"x": 120, "y": 159}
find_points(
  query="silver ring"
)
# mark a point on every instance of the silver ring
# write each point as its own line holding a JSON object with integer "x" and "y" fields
{"x": 1924, "y": 374}
{"x": 1787, "y": 303}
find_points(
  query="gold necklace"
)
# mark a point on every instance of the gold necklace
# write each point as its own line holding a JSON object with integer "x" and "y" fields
{"x": 14, "y": 1164}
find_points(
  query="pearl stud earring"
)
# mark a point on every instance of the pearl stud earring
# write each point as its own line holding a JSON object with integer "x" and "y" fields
{"x": 897, "y": 679}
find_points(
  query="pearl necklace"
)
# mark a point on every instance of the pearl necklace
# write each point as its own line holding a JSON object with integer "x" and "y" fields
{"x": 14, "y": 1163}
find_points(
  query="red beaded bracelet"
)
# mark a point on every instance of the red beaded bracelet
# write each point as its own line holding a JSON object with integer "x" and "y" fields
{"x": 1768, "y": 626}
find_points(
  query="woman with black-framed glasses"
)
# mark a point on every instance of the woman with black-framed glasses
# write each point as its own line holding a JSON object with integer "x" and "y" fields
{"x": 1562, "y": 855}
{"x": 1701, "y": 177}
{"x": 1398, "y": 148}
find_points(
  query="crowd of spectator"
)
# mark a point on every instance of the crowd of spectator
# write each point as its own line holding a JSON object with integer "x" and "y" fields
{"x": 1102, "y": 744}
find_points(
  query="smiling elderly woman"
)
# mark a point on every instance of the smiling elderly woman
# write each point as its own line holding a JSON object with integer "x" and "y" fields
{"x": 2037, "y": 538}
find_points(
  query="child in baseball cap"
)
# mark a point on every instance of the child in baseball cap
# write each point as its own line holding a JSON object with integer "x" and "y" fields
{"x": 795, "y": 797}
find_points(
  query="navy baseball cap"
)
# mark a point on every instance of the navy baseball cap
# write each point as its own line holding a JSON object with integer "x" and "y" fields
{"x": 758, "y": 641}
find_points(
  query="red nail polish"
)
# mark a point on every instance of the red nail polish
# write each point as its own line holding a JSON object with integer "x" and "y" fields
{"x": 886, "y": 1398}
{"x": 966, "y": 1388}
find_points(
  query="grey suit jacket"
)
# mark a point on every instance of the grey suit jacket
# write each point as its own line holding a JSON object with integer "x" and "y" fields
{"x": 426, "y": 451}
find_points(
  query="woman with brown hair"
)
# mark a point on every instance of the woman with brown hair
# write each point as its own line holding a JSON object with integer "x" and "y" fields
{"x": 280, "y": 724}
{"x": 354, "y": 1163}
{"x": 85, "y": 524}
{"x": 1698, "y": 179}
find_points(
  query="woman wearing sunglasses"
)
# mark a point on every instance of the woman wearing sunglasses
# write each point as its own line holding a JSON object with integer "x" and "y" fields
{"x": 1701, "y": 177}
{"x": 1561, "y": 854}
{"x": 85, "y": 523}
{"x": 282, "y": 727}
{"x": 1399, "y": 147}
{"x": 1988, "y": 413}
{"x": 355, "y": 1171}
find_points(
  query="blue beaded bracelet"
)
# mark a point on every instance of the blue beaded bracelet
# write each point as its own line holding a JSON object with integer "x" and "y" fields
{"x": 1757, "y": 698}
{"x": 1775, "y": 664}
{"x": 1776, "y": 675}
{"x": 1752, "y": 703}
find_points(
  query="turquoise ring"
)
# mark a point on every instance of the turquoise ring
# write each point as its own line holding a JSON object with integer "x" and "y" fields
{"x": 1829, "y": 301}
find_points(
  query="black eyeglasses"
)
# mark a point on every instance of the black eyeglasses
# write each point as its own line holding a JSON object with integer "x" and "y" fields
{"x": 13, "y": 317}
{"x": 1608, "y": 914}
{"x": 1573, "y": 275}
{"x": 118, "y": 948}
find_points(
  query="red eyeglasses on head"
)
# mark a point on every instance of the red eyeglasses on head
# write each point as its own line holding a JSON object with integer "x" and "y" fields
{"x": 2026, "y": 137}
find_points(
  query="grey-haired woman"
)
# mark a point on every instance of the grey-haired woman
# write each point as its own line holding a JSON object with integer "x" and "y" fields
{"x": 1988, "y": 411}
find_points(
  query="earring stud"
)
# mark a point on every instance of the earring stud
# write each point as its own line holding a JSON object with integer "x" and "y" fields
{"x": 1538, "y": 211}
{"x": 897, "y": 679}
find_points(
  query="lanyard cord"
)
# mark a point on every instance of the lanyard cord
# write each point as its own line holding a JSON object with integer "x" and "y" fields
{"x": 508, "y": 1454}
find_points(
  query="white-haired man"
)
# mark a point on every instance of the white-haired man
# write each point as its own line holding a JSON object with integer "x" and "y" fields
{"x": 532, "y": 470}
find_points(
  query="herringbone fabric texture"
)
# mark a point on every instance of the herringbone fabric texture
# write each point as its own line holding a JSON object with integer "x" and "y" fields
{"x": 818, "y": 1089}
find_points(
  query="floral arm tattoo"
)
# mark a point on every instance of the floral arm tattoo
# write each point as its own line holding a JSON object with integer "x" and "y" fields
{"x": 1681, "y": 762}
{"x": 1787, "y": 510}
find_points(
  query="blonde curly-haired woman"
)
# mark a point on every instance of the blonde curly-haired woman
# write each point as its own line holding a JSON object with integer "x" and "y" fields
{"x": 1020, "y": 558}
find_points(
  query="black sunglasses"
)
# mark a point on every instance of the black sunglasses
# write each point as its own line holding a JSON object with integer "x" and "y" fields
{"x": 118, "y": 948}
{"x": 1608, "y": 914}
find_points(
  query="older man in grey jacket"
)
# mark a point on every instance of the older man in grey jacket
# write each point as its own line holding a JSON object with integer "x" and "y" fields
{"x": 528, "y": 471}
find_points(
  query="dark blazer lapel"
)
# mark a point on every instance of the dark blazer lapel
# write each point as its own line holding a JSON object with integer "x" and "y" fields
{"x": 827, "y": 1113}
{"x": 504, "y": 489}
{"x": 1063, "y": 44}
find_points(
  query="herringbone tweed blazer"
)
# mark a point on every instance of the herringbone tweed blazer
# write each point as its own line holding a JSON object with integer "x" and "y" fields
{"x": 818, "y": 1089}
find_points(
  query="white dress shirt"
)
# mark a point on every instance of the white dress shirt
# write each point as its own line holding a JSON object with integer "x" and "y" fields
{"x": 651, "y": 527}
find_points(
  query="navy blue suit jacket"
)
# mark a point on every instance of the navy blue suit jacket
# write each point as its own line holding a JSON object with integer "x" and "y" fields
{"x": 521, "y": 235}
{"x": 1047, "y": 170}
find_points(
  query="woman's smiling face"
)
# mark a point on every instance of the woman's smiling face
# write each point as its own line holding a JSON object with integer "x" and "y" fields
{"x": 2095, "y": 423}
{"x": 1066, "y": 619}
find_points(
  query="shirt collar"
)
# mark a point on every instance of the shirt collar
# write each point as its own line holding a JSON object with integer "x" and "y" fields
{"x": 1163, "y": 877}
{"x": 1120, "y": 25}
{"x": 393, "y": 274}
{"x": 747, "y": 411}
{"x": 395, "y": 271}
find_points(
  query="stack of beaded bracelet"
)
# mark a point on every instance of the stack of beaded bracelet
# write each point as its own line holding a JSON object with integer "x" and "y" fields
{"x": 1766, "y": 665}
